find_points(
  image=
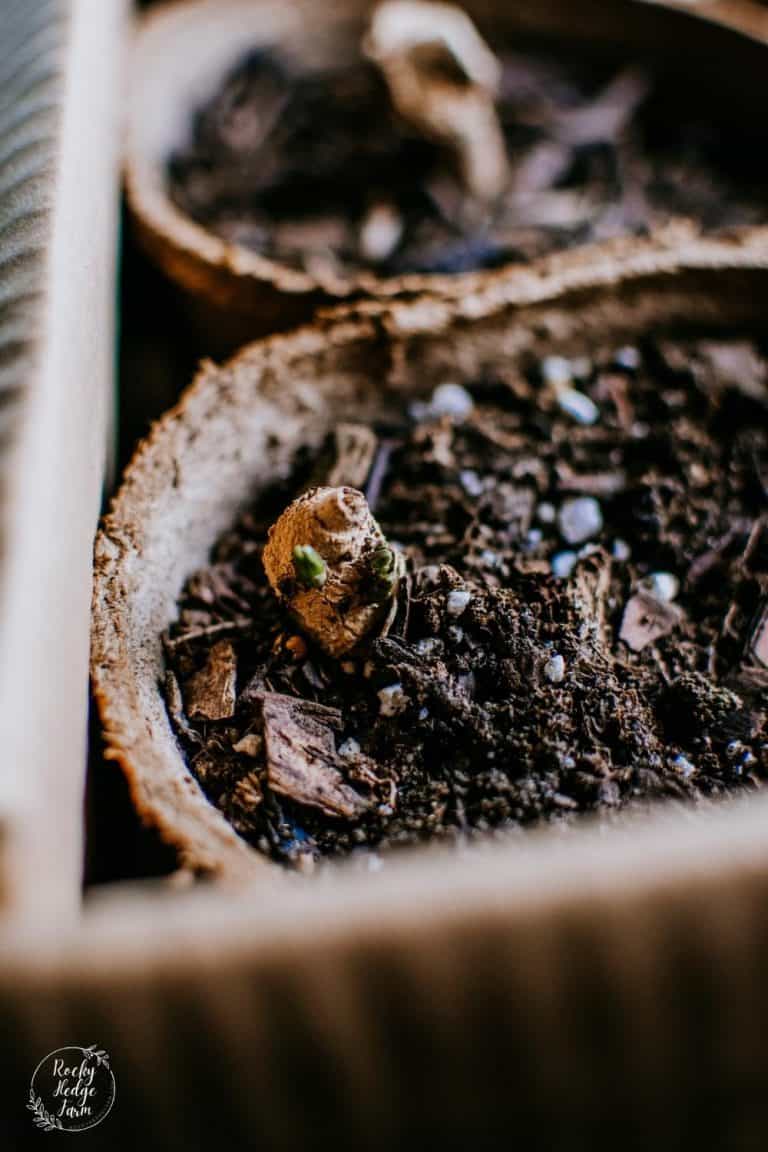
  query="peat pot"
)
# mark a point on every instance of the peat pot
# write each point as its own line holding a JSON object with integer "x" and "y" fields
{"x": 239, "y": 427}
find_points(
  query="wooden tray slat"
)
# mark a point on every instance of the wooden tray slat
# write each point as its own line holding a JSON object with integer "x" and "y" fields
{"x": 58, "y": 197}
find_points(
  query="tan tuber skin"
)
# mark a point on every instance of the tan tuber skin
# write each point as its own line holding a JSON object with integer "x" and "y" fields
{"x": 327, "y": 559}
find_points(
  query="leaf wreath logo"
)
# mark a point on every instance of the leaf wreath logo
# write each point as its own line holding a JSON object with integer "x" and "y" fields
{"x": 72, "y": 1089}
{"x": 43, "y": 1118}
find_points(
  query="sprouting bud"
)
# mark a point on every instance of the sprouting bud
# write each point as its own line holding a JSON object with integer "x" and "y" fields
{"x": 387, "y": 569}
{"x": 327, "y": 559}
{"x": 309, "y": 566}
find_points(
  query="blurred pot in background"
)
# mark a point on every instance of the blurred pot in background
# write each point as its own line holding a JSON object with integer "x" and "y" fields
{"x": 282, "y": 157}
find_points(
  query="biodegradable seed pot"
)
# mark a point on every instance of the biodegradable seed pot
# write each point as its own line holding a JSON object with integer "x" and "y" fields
{"x": 515, "y": 573}
{"x": 296, "y": 154}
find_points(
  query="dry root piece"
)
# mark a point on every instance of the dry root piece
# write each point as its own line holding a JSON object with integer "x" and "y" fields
{"x": 355, "y": 450}
{"x": 329, "y": 561}
{"x": 210, "y": 694}
{"x": 302, "y": 761}
{"x": 646, "y": 619}
{"x": 443, "y": 80}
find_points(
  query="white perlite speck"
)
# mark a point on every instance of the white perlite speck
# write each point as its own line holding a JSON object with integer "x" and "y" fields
{"x": 557, "y": 371}
{"x": 471, "y": 482}
{"x": 457, "y": 601}
{"x": 380, "y": 232}
{"x": 393, "y": 700}
{"x": 350, "y": 747}
{"x": 627, "y": 358}
{"x": 579, "y": 519}
{"x": 662, "y": 586}
{"x": 555, "y": 669}
{"x": 621, "y": 550}
{"x": 451, "y": 400}
{"x": 562, "y": 564}
{"x": 429, "y": 646}
{"x": 578, "y": 406}
{"x": 546, "y": 513}
{"x": 682, "y": 765}
{"x": 447, "y": 400}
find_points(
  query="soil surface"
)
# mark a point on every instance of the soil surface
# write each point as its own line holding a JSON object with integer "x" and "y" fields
{"x": 316, "y": 171}
{"x": 583, "y": 625}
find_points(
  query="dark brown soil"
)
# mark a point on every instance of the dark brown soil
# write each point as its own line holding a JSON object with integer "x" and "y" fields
{"x": 290, "y": 164}
{"x": 505, "y": 694}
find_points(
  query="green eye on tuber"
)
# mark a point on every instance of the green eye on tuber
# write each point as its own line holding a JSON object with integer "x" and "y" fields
{"x": 309, "y": 566}
{"x": 387, "y": 568}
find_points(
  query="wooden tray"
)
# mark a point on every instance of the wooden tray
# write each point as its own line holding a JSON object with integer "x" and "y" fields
{"x": 607, "y": 989}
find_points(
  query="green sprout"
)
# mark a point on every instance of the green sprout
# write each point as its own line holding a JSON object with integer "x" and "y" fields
{"x": 387, "y": 567}
{"x": 309, "y": 566}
